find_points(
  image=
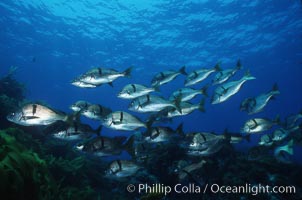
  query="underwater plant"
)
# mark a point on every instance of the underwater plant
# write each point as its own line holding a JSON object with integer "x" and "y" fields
{"x": 28, "y": 174}
{"x": 23, "y": 175}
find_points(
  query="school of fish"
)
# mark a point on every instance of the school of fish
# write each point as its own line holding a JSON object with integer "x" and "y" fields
{"x": 146, "y": 137}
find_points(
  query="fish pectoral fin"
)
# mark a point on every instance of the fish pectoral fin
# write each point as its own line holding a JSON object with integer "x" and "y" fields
{"x": 111, "y": 84}
{"x": 116, "y": 122}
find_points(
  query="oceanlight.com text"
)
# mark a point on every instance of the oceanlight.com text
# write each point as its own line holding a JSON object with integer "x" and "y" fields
{"x": 252, "y": 189}
{"x": 210, "y": 188}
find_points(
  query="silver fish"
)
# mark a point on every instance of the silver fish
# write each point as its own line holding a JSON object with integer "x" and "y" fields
{"x": 256, "y": 104}
{"x": 132, "y": 91}
{"x": 80, "y": 106}
{"x": 189, "y": 169}
{"x": 224, "y": 75}
{"x": 81, "y": 84}
{"x": 185, "y": 108}
{"x": 166, "y": 76}
{"x": 121, "y": 169}
{"x": 36, "y": 114}
{"x": 266, "y": 140}
{"x": 99, "y": 76}
{"x": 150, "y": 103}
{"x": 200, "y": 75}
{"x": 283, "y": 153}
{"x": 203, "y": 143}
{"x": 291, "y": 120}
{"x": 105, "y": 146}
{"x": 163, "y": 134}
{"x": 206, "y": 148}
{"x": 281, "y": 134}
{"x": 226, "y": 90}
{"x": 120, "y": 120}
{"x": 257, "y": 125}
{"x": 96, "y": 112}
{"x": 72, "y": 132}
{"x": 186, "y": 94}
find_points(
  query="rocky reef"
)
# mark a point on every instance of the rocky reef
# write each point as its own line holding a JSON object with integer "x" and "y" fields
{"x": 12, "y": 94}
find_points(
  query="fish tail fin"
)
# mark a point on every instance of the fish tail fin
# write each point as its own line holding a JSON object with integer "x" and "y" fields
{"x": 238, "y": 65}
{"x": 98, "y": 131}
{"x": 293, "y": 129}
{"x": 289, "y": 147}
{"x": 177, "y": 102}
{"x": 128, "y": 146}
{"x": 277, "y": 120}
{"x": 128, "y": 71}
{"x": 179, "y": 129}
{"x": 226, "y": 135}
{"x": 201, "y": 105}
{"x": 247, "y": 137}
{"x": 73, "y": 118}
{"x": 149, "y": 122}
{"x": 248, "y": 76}
{"x": 156, "y": 88}
{"x": 204, "y": 90}
{"x": 217, "y": 66}
{"x": 182, "y": 70}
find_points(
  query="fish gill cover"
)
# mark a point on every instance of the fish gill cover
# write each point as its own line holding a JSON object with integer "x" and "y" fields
{"x": 154, "y": 92}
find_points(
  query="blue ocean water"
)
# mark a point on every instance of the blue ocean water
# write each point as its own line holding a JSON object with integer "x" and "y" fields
{"x": 52, "y": 42}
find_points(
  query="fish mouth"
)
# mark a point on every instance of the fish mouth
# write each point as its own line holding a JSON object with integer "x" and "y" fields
{"x": 244, "y": 130}
{"x": 10, "y": 117}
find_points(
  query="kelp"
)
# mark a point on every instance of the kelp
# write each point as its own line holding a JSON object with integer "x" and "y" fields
{"x": 23, "y": 175}
{"x": 28, "y": 174}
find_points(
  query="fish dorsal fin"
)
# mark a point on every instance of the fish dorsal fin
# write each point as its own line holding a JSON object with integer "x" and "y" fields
{"x": 275, "y": 87}
{"x": 217, "y": 67}
{"x": 182, "y": 70}
{"x": 162, "y": 74}
{"x": 238, "y": 65}
{"x": 195, "y": 74}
